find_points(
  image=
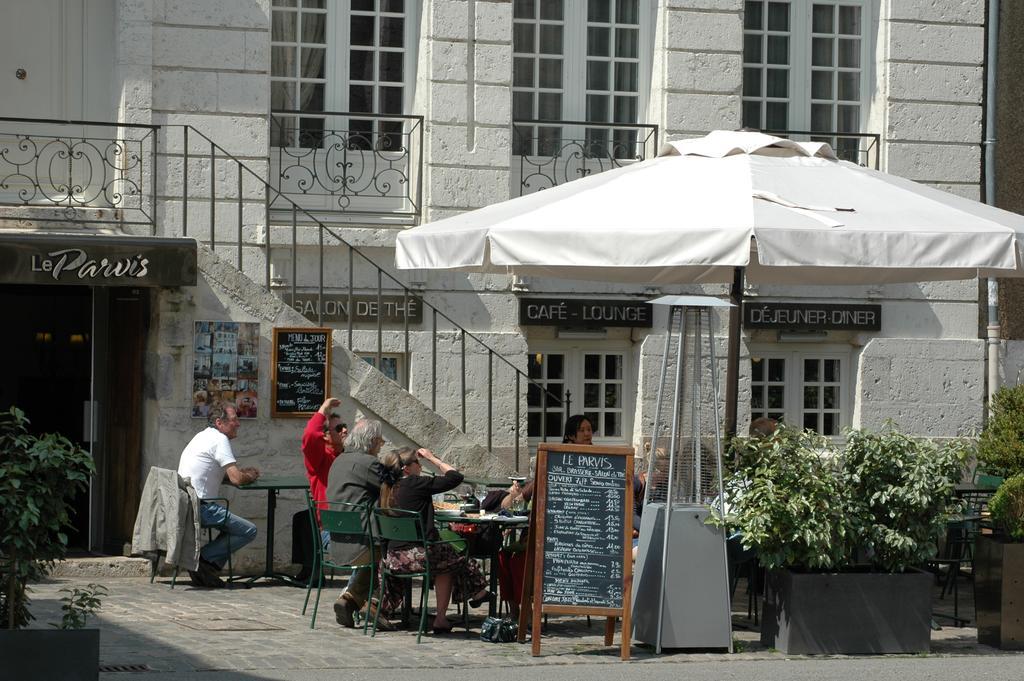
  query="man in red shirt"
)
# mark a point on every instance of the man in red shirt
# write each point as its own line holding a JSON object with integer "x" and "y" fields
{"x": 322, "y": 441}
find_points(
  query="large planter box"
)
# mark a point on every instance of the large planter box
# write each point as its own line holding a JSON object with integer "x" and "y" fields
{"x": 65, "y": 654}
{"x": 999, "y": 592}
{"x": 847, "y": 613}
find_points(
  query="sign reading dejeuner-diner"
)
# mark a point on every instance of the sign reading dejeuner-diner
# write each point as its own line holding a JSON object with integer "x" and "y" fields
{"x": 579, "y": 554}
{"x": 301, "y": 366}
{"x": 812, "y": 316}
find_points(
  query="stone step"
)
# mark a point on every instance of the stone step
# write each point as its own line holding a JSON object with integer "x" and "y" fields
{"x": 98, "y": 567}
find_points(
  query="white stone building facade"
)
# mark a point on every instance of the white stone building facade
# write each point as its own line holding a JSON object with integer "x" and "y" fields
{"x": 374, "y": 115}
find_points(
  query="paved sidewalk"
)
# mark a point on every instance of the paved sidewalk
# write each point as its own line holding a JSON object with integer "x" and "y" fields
{"x": 260, "y": 630}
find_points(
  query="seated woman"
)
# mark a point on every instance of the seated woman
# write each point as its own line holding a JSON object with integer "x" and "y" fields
{"x": 402, "y": 487}
{"x": 578, "y": 430}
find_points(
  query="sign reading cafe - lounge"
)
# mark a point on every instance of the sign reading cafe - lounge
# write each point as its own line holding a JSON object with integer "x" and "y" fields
{"x": 812, "y": 316}
{"x": 574, "y": 312}
{"x": 97, "y": 260}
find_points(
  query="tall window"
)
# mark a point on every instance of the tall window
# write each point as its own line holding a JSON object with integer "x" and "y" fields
{"x": 595, "y": 383}
{"x": 576, "y": 61}
{"x": 339, "y": 55}
{"x": 804, "y": 389}
{"x": 804, "y": 66}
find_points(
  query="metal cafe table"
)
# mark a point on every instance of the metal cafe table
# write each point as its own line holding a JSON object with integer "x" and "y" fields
{"x": 273, "y": 484}
{"x": 500, "y": 522}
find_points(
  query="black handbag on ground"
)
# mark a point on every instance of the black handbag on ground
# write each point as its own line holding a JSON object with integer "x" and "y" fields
{"x": 497, "y": 630}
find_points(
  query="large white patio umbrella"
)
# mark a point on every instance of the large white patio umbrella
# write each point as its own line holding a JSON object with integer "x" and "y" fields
{"x": 787, "y": 212}
{"x": 725, "y": 206}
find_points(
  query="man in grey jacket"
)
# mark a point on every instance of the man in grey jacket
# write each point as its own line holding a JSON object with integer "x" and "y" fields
{"x": 354, "y": 479}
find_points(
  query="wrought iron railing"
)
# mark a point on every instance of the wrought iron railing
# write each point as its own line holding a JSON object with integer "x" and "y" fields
{"x": 88, "y": 171}
{"x": 341, "y": 162}
{"x": 861, "y": 148}
{"x": 555, "y": 152}
{"x": 220, "y": 205}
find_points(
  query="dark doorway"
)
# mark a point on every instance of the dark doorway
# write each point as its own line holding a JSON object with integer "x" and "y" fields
{"x": 46, "y": 365}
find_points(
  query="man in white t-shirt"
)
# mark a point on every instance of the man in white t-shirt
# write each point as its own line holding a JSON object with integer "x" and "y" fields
{"x": 206, "y": 460}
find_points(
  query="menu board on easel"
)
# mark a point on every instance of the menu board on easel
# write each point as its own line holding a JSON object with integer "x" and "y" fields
{"x": 579, "y": 555}
{"x": 301, "y": 366}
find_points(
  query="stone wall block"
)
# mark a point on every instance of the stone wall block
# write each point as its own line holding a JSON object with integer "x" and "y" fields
{"x": 939, "y": 11}
{"x": 705, "y": 72}
{"x": 930, "y": 42}
{"x": 717, "y": 5}
{"x": 935, "y": 162}
{"x": 448, "y": 145}
{"x": 257, "y": 51}
{"x": 701, "y": 31}
{"x": 448, "y": 102}
{"x": 493, "y": 21}
{"x": 227, "y": 13}
{"x": 448, "y": 60}
{"x": 936, "y": 82}
{"x": 185, "y": 90}
{"x": 244, "y": 136}
{"x": 493, "y": 104}
{"x": 198, "y": 48}
{"x": 242, "y": 93}
{"x": 493, "y": 64}
{"x": 450, "y": 20}
{"x": 934, "y": 122}
{"x": 700, "y": 112}
{"x": 473, "y": 188}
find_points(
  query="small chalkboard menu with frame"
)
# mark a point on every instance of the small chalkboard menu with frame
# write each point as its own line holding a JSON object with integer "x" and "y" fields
{"x": 301, "y": 370}
{"x": 579, "y": 555}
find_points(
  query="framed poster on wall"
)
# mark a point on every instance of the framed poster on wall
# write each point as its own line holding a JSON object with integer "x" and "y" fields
{"x": 225, "y": 367}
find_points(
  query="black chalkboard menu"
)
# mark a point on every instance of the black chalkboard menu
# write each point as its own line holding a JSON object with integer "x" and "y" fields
{"x": 301, "y": 370}
{"x": 579, "y": 555}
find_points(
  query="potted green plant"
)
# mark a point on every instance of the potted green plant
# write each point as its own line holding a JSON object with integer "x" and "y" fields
{"x": 840, "y": 531}
{"x": 39, "y": 477}
{"x": 999, "y": 551}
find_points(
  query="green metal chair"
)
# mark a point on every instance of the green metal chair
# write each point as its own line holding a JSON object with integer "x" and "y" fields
{"x": 396, "y": 525}
{"x": 343, "y": 521}
{"x": 209, "y": 538}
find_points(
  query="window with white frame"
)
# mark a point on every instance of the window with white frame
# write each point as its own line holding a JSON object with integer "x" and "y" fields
{"x": 596, "y": 382}
{"x": 806, "y": 389}
{"x": 805, "y": 66}
{"x": 340, "y": 55}
{"x": 391, "y": 365}
{"x": 578, "y": 61}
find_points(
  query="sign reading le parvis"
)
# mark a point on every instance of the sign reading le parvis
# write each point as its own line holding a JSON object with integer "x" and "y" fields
{"x": 812, "y": 316}
{"x": 588, "y": 314}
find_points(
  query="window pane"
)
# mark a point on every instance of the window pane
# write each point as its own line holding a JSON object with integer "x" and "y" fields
{"x": 598, "y": 42}
{"x": 611, "y": 395}
{"x": 311, "y": 97}
{"x": 591, "y": 395}
{"x": 776, "y": 397}
{"x": 821, "y": 52}
{"x": 535, "y": 365}
{"x": 311, "y": 132}
{"x": 549, "y": 106}
{"x": 778, "y": 49}
{"x": 811, "y": 422}
{"x": 757, "y": 370}
{"x": 752, "y": 115}
{"x": 613, "y": 367}
{"x": 821, "y": 117}
{"x": 554, "y": 424}
{"x": 751, "y": 82}
{"x": 598, "y": 11}
{"x": 283, "y": 3}
{"x": 776, "y": 370}
{"x": 390, "y": 100}
{"x": 830, "y": 397}
{"x": 752, "y": 49}
{"x": 550, "y": 39}
{"x": 778, "y": 16}
{"x": 282, "y": 61}
{"x": 556, "y": 365}
{"x": 627, "y": 12}
{"x": 392, "y": 31}
{"x": 849, "y": 86}
{"x": 592, "y": 367}
{"x": 626, "y": 42}
{"x": 313, "y": 28}
{"x": 282, "y": 27}
{"x": 822, "y": 22}
{"x": 830, "y": 424}
{"x": 360, "y": 98}
{"x": 313, "y": 62}
{"x": 358, "y": 5}
{"x": 831, "y": 370}
{"x": 597, "y": 75}
{"x": 757, "y": 398}
{"x": 849, "y": 20}
{"x": 776, "y": 115}
{"x": 522, "y": 105}
{"x": 626, "y": 77}
{"x": 849, "y": 52}
{"x": 811, "y": 397}
{"x": 625, "y": 109}
{"x": 752, "y": 15}
{"x": 550, "y": 73}
{"x": 523, "y": 9}
{"x": 362, "y": 30}
{"x": 811, "y": 374}
{"x": 360, "y": 65}
{"x": 533, "y": 424}
{"x": 522, "y": 72}
{"x": 549, "y": 141}
{"x": 778, "y": 83}
{"x": 612, "y": 424}
{"x": 522, "y": 38}
{"x": 597, "y": 108}
{"x": 821, "y": 84}
{"x": 551, "y": 9}
{"x": 391, "y": 65}
{"x": 282, "y": 96}
{"x": 397, "y": 6}
{"x": 553, "y": 395}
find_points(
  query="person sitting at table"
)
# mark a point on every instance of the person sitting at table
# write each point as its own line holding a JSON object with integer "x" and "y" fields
{"x": 322, "y": 441}
{"x": 578, "y": 430}
{"x": 206, "y": 460}
{"x": 355, "y": 479}
{"x": 403, "y": 487}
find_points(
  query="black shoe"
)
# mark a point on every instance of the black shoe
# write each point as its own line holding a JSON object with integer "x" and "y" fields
{"x": 208, "y": 573}
{"x": 477, "y": 602}
{"x": 305, "y": 574}
{"x": 197, "y": 579}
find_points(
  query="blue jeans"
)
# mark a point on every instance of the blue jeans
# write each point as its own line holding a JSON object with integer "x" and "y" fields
{"x": 235, "y": 533}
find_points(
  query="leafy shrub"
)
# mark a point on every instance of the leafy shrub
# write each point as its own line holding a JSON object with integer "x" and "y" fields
{"x": 1001, "y": 446}
{"x": 79, "y": 604}
{"x": 39, "y": 477}
{"x": 805, "y": 505}
{"x": 1007, "y": 507}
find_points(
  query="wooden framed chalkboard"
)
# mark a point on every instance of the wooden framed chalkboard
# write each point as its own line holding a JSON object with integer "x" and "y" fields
{"x": 580, "y": 553}
{"x": 300, "y": 371}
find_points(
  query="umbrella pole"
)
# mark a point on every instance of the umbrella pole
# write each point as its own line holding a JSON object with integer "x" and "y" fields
{"x": 732, "y": 366}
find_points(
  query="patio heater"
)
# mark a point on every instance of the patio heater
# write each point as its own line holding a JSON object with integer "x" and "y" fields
{"x": 681, "y": 576}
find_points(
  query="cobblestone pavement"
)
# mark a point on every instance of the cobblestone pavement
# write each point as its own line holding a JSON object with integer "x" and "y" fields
{"x": 188, "y": 629}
